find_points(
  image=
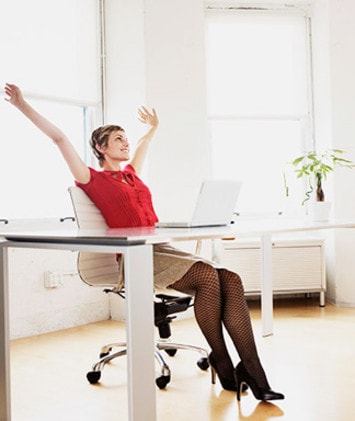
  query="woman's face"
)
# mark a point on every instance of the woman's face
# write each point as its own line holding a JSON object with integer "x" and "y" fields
{"x": 117, "y": 147}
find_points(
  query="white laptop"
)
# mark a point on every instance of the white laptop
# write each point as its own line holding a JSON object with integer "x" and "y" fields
{"x": 214, "y": 207}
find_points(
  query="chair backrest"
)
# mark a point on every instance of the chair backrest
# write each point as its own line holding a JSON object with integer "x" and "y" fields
{"x": 87, "y": 215}
{"x": 100, "y": 269}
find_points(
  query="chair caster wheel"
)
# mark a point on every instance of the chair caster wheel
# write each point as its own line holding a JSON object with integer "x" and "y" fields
{"x": 203, "y": 363}
{"x": 162, "y": 381}
{"x": 171, "y": 352}
{"x": 93, "y": 376}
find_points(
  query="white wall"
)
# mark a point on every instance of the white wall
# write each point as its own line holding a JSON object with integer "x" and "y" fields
{"x": 322, "y": 113}
{"x": 35, "y": 309}
{"x": 175, "y": 78}
{"x": 125, "y": 63}
{"x": 334, "y": 88}
{"x": 342, "y": 59}
{"x": 157, "y": 48}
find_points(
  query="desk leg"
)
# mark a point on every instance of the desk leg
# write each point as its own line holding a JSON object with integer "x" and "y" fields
{"x": 140, "y": 333}
{"x": 5, "y": 403}
{"x": 266, "y": 285}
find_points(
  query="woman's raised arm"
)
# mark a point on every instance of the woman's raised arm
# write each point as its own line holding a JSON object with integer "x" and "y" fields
{"x": 76, "y": 165}
{"x": 141, "y": 150}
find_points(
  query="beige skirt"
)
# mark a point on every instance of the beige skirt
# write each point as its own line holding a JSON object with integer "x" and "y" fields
{"x": 171, "y": 264}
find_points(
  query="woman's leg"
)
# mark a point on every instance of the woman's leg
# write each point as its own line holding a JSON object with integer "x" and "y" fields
{"x": 219, "y": 297}
{"x": 202, "y": 279}
{"x": 236, "y": 319}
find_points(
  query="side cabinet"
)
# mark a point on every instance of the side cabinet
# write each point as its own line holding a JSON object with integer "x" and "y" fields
{"x": 298, "y": 265}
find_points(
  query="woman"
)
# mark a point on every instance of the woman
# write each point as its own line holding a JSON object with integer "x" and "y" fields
{"x": 125, "y": 201}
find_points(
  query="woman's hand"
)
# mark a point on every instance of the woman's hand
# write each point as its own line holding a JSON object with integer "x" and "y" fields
{"x": 140, "y": 153}
{"x": 148, "y": 118}
{"x": 14, "y": 94}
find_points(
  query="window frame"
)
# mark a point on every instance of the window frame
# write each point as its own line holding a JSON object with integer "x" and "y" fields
{"x": 215, "y": 9}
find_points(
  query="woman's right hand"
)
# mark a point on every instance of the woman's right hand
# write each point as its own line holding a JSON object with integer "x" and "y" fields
{"x": 14, "y": 94}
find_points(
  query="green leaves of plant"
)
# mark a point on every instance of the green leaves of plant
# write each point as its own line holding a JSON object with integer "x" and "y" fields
{"x": 315, "y": 167}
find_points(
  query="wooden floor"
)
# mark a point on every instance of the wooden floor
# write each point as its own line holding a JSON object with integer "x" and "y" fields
{"x": 310, "y": 358}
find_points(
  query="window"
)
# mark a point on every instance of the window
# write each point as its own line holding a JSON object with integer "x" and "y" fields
{"x": 52, "y": 51}
{"x": 258, "y": 86}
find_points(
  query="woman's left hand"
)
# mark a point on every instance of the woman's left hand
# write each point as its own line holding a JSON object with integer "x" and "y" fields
{"x": 147, "y": 117}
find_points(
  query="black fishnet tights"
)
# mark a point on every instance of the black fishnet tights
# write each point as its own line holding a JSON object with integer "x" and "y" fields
{"x": 219, "y": 298}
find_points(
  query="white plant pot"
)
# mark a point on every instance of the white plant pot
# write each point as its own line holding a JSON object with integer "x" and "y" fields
{"x": 319, "y": 211}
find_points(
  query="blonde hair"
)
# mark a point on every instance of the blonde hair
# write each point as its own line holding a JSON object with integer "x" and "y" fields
{"x": 100, "y": 137}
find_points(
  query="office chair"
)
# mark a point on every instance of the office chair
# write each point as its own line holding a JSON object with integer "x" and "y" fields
{"x": 102, "y": 269}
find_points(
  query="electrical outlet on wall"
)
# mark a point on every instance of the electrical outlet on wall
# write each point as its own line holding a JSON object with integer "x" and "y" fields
{"x": 53, "y": 279}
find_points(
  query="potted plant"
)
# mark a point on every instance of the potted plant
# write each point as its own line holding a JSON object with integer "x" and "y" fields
{"x": 315, "y": 168}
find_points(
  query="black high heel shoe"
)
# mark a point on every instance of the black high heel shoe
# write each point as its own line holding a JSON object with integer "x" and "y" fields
{"x": 228, "y": 384}
{"x": 242, "y": 377}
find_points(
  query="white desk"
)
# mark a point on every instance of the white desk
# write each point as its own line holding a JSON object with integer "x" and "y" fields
{"x": 136, "y": 244}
